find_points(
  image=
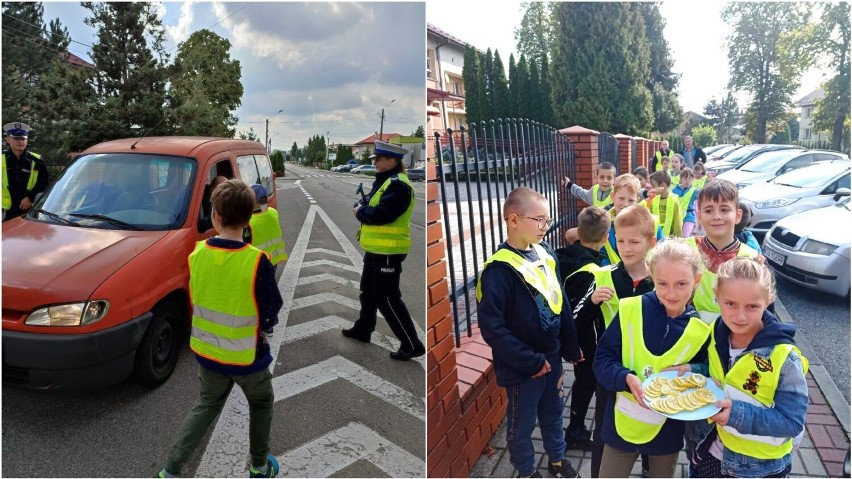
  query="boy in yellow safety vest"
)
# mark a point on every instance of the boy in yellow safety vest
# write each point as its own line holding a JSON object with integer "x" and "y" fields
{"x": 664, "y": 204}
{"x": 687, "y": 194}
{"x": 600, "y": 193}
{"x": 754, "y": 358}
{"x": 264, "y": 230}
{"x": 651, "y": 332}
{"x": 526, "y": 320}
{"x": 235, "y": 304}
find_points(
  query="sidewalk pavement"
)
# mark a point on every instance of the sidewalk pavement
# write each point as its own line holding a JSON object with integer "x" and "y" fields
{"x": 820, "y": 454}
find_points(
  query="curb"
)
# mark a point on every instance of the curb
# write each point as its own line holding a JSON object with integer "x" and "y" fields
{"x": 829, "y": 389}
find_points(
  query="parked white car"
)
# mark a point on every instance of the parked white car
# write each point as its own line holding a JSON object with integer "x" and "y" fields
{"x": 815, "y": 186}
{"x": 812, "y": 250}
{"x": 362, "y": 169}
{"x": 768, "y": 165}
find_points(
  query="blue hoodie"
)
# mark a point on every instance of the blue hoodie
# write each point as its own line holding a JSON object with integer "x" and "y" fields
{"x": 660, "y": 333}
{"x": 517, "y": 323}
{"x": 786, "y": 419}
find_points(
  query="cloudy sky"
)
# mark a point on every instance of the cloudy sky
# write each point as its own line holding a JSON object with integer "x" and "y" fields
{"x": 694, "y": 30}
{"x": 331, "y": 67}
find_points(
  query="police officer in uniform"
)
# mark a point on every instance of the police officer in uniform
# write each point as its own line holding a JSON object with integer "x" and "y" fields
{"x": 385, "y": 235}
{"x": 24, "y": 172}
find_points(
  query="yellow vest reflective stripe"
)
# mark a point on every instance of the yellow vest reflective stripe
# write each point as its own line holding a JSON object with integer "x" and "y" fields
{"x": 655, "y": 210}
{"x": 603, "y": 277}
{"x": 31, "y": 182}
{"x": 699, "y": 182}
{"x": 394, "y": 237}
{"x": 224, "y": 316}
{"x": 685, "y": 199}
{"x": 266, "y": 235}
{"x": 753, "y": 380}
{"x": 634, "y": 423}
{"x": 544, "y": 281}
{"x": 704, "y": 299}
{"x": 602, "y": 203}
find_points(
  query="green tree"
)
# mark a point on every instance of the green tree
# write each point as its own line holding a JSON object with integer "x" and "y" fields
{"x": 704, "y": 135}
{"x": 546, "y": 93}
{"x": 662, "y": 82}
{"x": 472, "y": 77}
{"x": 344, "y": 154}
{"x": 500, "y": 89}
{"x": 522, "y": 107}
{"x": 600, "y": 68}
{"x": 315, "y": 151}
{"x": 131, "y": 65}
{"x": 535, "y": 97}
{"x": 767, "y": 51}
{"x": 294, "y": 152}
{"x": 277, "y": 159}
{"x": 205, "y": 86}
{"x": 486, "y": 94}
{"x": 535, "y": 34}
{"x": 832, "y": 39}
{"x": 250, "y": 135}
{"x": 419, "y": 132}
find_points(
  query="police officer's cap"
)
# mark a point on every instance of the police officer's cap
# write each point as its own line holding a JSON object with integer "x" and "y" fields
{"x": 17, "y": 129}
{"x": 387, "y": 149}
{"x": 259, "y": 194}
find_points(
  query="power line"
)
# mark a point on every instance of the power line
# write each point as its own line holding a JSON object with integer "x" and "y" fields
{"x": 40, "y": 46}
{"x": 40, "y": 29}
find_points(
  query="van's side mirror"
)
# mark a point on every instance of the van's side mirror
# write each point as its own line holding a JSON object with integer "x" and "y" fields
{"x": 841, "y": 192}
{"x": 37, "y": 197}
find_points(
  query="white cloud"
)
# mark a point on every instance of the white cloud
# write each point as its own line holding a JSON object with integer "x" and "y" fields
{"x": 180, "y": 32}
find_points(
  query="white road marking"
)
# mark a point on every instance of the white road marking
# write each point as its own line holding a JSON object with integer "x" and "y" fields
{"x": 328, "y": 277}
{"x": 337, "y": 449}
{"x": 326, "y": 262}
{"x": 324, "y": 298}
{"x": 327, "y": 251}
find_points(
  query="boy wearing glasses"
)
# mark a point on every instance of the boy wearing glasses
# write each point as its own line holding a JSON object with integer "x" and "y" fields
{"x": 24, "y": 172}
{"x": 526, "y": 319}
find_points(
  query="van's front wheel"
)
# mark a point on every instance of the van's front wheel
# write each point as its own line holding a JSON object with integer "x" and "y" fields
{"x": 160, "y": 347}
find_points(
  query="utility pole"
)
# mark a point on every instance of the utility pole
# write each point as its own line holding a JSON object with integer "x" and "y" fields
{"x": 327, "y": 145}
{"x": 382, "y": 124}
{"x": 266, "y": 141}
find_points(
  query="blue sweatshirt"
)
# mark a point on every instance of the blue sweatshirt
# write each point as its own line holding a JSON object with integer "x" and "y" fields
{"x": 269, "y": 302}
{"x": 660, "y": 333}
{"x": 517, "y": 323}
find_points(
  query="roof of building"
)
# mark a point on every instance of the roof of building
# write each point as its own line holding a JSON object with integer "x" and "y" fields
{"x": 386, "y": 137}
{"x": 450, "y": 38}
{"x": 812, "y": 97}
{"x": 75, "y": 60}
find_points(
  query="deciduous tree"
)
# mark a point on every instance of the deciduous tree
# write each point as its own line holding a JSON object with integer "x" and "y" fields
{"x": 832, "y": 39}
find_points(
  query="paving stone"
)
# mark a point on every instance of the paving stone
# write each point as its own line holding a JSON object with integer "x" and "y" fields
{"x": 820, "y": 419}
{"x": 681, "y": 458}
{"x": 499, "y": 439}
{"x": 819, "y": 436}
{"x": 798, "y": 467}
{"x": 831, "y": 454}
{"x": 504, "y": 467}
{"x": 812, "y": 462}
{"x": 538, "y": 446}
{"x": 838, "y": 437}
{"x": 484, "y": 467}
{"x": 835, "y": 469}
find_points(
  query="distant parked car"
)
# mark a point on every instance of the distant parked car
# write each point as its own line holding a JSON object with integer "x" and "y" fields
{"x": 768, "y": 165}
{"x": 712, "y": 149}
{"x": 721, "y": 153}
{"x": 745, "y": 154}
{"x": 362, "y": 169}
{"x": 815, "y": 186}
{"x": 416, "y": 174}
{"x": 810, "y": 250}
{"x": 346, "y": 168}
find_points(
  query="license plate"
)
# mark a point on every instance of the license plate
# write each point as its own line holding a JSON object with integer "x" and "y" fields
{"x": 774, "y": 256}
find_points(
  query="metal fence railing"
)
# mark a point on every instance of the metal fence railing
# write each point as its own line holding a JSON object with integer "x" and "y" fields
{"x": 608, "y": 151}
{"x": 485, "y": 162}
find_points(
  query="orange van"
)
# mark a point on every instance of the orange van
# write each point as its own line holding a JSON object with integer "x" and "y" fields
{"x": 95, "y": 275}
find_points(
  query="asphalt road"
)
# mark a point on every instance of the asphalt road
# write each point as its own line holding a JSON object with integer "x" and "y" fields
{"x": 346, "y": 399}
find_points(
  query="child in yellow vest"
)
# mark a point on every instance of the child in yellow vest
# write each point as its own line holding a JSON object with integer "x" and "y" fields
{"x": 665, "y": 205}
{"x": 600, "y": 193}
{"x": 235, "y": 302}
{"x": 677, "y": 166}
{"x": 651, "y": 332}
{"x": 754, "y": 358}
{"x": 264, "y": 231}
{"x": 529, "y": 325}
{"x": 687, "y": 195}
{"x": 700, "y": 174}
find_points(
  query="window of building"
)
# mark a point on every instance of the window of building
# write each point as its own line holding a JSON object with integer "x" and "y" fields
{"x": 430, "y": 74}
{"x": 456, "y": 88}
{"x": 808, "y": 133}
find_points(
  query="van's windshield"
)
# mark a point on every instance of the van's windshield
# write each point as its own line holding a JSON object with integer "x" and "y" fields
{"x": 120, "y": 191}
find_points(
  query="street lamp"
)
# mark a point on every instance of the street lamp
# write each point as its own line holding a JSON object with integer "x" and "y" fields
{"x": 267, "y": 130}
{"x": 382, "y": 125}
{"x": 327, "y": 146}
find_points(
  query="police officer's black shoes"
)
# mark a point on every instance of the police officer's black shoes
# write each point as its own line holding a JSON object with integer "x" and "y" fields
{"x": 354, "y": 334}
{"x": 401, "y": 355}
{"x": 578, "y": 439}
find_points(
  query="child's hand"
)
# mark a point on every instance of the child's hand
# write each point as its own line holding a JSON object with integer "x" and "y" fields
{"x": 721, "y": 417}
{"x": 602, "y": 294}
{"x": 635, "y": 386}
{"x": 582, "y": 358}
{"x": 544, "y": 370}
{"x": 681, "y": 370}
{"x": 565, "y": 180}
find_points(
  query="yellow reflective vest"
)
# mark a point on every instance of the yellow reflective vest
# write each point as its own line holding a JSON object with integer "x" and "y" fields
{"x": 634, "y": 423}
{"x": 704, "y": 299}
{"x": 603, "y": 277}
{"x": 668, "y": 222}
{"x": 394, "y": 237}
{"x": 225, "y": 317}
{"x": 685, "y": 198}
{"x": 266, "y": 235}
{"x": 604, "y": 202}
{"x": 699, "y": 182}
{"x": 31, "y": 182}
{"x": 540, "y": 274}
{"x": 753, "y": 380}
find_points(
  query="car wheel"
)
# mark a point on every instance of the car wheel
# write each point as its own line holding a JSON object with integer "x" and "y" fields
{"x": 158, "y": 353}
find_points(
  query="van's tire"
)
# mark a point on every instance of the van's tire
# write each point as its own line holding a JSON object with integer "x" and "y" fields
{"x": 160, "y": 347}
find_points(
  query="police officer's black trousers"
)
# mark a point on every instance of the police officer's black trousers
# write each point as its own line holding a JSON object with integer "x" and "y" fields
{"x": 380, "y": 291}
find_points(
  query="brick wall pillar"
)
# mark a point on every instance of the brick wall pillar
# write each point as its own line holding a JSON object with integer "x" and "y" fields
{"x": 624, "y": 153}
{"x": 642, "y": 151}
{"x": 586, "y": 156}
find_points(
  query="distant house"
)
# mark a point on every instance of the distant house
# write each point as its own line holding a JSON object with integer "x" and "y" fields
{"x": 807, "y": 135}
{"x": 367, "y": 145}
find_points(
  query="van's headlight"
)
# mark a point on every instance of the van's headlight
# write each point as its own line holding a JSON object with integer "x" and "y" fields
{"x": 776, "y": 203}
{"x": 818, "y": 247}
{"x": 72, "y": 314}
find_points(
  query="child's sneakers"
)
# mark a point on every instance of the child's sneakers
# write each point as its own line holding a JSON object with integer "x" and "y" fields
{"x": 579, "y": 438}
{"x": 561, "y": 469}
{"x": 165, "y": 473}
{"x": 271, "y": 468}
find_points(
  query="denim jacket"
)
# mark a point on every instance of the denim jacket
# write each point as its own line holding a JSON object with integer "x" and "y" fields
{"x": 785, "y": 419}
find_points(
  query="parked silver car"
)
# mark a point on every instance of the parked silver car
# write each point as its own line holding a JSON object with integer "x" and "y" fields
{"x": 745, "y": 154}
{"x": 810, "y": 249}
{"x": 815, "y": 186}
{"x": 770, "y": 164}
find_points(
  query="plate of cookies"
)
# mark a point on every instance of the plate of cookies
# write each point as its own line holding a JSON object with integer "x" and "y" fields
{"x": 687, "y": 398}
